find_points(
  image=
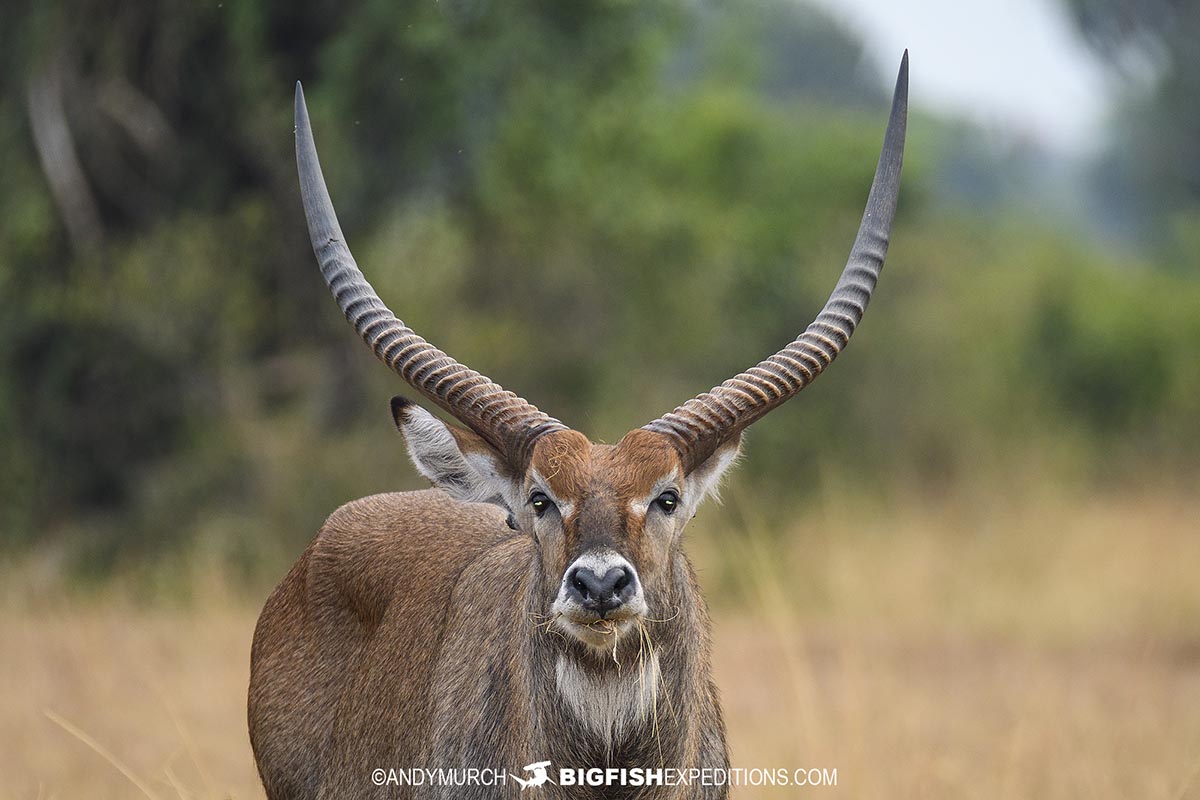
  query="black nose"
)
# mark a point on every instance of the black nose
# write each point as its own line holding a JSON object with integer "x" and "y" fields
{"x": 602, "y": 594}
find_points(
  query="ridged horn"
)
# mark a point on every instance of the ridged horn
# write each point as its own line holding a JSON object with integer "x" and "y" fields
{"x": 504, "y": 420}
{"x": 699, "y": 426}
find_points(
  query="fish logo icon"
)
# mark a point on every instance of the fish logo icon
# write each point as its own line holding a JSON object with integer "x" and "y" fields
{"x": 539, "y": 776}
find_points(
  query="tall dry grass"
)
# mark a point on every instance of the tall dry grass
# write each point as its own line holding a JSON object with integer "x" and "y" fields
{"x": 941, "y": 650}
{"x": 970, "y": 649}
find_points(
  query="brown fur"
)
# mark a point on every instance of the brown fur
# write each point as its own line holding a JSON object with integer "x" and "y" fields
{"x": 412, "y": 633}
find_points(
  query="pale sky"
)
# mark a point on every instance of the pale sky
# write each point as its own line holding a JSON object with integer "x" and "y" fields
{"x": 1016, "y": 64}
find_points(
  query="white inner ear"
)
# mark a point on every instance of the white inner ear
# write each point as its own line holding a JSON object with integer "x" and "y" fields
{"x": 705, "y": 480}
{"x": 472, "y": 477}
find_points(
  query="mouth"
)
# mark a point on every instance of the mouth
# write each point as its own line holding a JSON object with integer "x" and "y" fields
{"x": 601, "y": 632}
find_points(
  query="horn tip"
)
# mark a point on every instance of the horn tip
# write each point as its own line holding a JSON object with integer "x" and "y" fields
{"x": 301, "y": 107}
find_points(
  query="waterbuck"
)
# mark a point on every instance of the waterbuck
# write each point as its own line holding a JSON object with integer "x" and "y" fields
{"x": 536, "y": 606}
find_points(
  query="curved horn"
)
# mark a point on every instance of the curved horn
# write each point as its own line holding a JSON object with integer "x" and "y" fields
{"x": 699, "y": 426}
{"x": 504, "y": 420}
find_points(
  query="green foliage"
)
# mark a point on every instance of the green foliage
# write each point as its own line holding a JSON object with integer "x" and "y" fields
{"x": 607, "y": 206}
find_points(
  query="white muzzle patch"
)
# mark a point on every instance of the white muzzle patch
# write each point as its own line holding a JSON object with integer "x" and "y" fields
{"x": 570, "y": 616}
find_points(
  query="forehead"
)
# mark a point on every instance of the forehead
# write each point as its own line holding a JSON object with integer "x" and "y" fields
{"x": 573, "y": 466}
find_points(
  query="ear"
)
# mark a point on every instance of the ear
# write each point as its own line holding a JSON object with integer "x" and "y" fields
{"x": 705, "y": 480}
{"x": 454, "y": 459}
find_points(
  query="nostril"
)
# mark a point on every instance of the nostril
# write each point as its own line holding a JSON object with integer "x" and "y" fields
{"x": 615, "y": 585}
{"x": 580, "y": 585}
{"x": 622, "y": 581}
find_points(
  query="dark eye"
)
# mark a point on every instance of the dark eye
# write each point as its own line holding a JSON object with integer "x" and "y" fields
{"x": 668, "y": 501}
{"x": 540, "y": 503}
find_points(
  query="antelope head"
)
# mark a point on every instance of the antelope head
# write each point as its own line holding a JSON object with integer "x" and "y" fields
{"x": 606, "y": 519}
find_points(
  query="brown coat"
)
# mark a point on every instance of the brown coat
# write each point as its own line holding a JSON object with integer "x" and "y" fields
{"x": 408, "y": 635}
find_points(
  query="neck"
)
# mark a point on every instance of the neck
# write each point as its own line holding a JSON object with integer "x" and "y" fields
{"x": 613, "y": 706}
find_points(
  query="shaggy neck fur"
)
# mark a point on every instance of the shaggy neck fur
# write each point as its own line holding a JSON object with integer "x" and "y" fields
{"x": 609, "y": 702}
{"x": 616, "y": 707}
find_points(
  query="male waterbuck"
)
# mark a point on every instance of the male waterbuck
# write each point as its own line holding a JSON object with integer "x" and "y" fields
{"x": 536, "y": 606}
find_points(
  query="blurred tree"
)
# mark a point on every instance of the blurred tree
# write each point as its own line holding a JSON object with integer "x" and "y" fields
{"x": 607, "y": 206}
{"x": 779, "y": 49}
{"x": 150, "y": 211}
{"x": 1151, "y": 172}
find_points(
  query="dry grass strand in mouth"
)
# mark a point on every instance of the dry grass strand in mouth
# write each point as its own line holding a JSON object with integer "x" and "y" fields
{"x": 660, "y": 621}
{"x": 604, "y": 626}
{"x": 545, "y": 624}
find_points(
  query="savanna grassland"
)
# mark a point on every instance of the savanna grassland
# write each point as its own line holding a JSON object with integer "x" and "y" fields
{"x": 947, "y": 649}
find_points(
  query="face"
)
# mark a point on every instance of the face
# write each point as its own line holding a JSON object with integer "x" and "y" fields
{"x": 607, "y": 519}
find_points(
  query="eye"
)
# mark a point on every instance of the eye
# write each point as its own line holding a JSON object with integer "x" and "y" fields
{"x": 668, "y": 501}
{"x": 540, "y": 503}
